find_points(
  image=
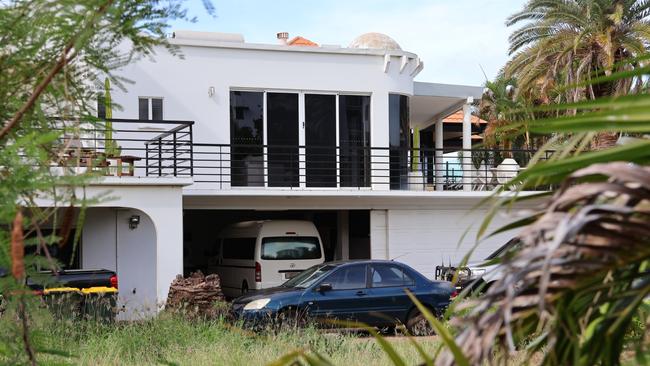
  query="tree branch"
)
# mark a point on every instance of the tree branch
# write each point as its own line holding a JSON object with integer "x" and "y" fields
{"x": 63, "y": 60}
{"x": 22, "y": 314}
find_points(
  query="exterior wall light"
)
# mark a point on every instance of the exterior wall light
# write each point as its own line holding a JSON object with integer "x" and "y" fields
{"x": 211, "y": 91}
{"x": 134, "y": 221}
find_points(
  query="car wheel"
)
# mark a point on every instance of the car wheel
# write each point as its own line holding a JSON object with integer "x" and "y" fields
{"x": 244, "y": 288}
{"x": 390, "y": 330}
{"x": 290, "y": 319}
{"x": 417, "y": 325}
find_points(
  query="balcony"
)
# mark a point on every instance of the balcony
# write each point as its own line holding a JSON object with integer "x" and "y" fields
{"x": 226, "y": 166}
{"x": 135, "y": 148}
{"x": 124, "y": 148}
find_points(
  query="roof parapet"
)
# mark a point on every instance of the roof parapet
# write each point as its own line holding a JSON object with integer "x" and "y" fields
{"x": 208, "y": 36}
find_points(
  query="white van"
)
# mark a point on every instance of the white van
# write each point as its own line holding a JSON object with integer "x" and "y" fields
{"x": 254, "y": 255}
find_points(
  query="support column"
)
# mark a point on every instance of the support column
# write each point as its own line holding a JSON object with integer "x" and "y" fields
{"x": 467, "y": 144}
{"x": 343, "y": 229}
{"x": 440, "y": 165}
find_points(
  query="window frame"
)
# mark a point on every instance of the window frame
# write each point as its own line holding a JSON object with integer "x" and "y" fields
{"x": 326, "y": 279}
{"x": 149, "y": 100}
{"x": 404, "y": 272}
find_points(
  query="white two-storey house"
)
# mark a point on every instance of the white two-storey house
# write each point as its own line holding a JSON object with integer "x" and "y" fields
{"x": 231, "y": 131}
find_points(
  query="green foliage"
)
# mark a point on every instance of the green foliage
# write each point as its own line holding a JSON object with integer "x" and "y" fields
{"x": 111, "y": 147}
{"x": 585, "y": 304}
{"x": 563, "y": 43}
{"x": 170, "y": 339}
{"x": 415, "y": 151}
{"x": 54, "y": 54}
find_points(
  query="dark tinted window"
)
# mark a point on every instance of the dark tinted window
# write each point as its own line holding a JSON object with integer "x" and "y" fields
{"x": 399, "y": 137}
{"x": 157, "y": 109}
{"x": 101, "y": 107}
{"x": 300, "y": 247}
{"x": 282, "y": 138}
{"x": 320, "y": 139}
{"x": 238, "y": 248}
{"x": 354, "y": 140}
{"x": 348, "y": 278}
{"x": 143, "y": 109}
{"x": 247, "y": 137}
{"x": 385, "y": 275}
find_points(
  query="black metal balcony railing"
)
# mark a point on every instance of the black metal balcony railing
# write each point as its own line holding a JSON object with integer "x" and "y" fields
{"x": 300, "y": 167}
{"x": 166, "y": 148}
{"x": 125, "y": 147}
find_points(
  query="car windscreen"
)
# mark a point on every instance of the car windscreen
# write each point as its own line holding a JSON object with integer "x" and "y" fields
{"x": 309, "y": 276}
{"x": 290, "y": 248}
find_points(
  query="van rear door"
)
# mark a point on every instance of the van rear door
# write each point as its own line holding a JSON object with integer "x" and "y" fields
{"x": 283, "y": 257}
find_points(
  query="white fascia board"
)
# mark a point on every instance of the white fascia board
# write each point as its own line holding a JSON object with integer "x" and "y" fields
{"x": 142, "y": 181}
{"x": 447, "y": 90}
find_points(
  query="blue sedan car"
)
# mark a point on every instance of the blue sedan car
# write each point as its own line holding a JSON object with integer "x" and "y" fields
{"x": 367, "y": 291}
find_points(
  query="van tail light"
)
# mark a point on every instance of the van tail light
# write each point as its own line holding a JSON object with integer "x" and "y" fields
{"x": 258, "y": 272}
{"x": 453, "y": 294}
{"x": 113, "y": 281}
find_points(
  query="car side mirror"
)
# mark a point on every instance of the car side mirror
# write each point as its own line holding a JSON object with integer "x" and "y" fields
{"x": 324, "y": 287}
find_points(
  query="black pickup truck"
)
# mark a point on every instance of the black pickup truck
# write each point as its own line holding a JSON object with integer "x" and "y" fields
{"x": 60, "y": 291}
{"x": 77, "y": 278}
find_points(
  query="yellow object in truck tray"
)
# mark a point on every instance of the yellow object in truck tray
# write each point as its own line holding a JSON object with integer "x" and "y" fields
{"x": 98, "y": 289}
{"x": 57, "y": 290}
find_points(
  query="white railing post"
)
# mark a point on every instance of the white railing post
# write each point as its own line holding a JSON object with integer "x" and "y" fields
{"x": 467, "y": 144}
{"x": 439, "y": 163}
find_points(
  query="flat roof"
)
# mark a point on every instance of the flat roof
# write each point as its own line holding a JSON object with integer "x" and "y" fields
{"x": 288, "y": 48}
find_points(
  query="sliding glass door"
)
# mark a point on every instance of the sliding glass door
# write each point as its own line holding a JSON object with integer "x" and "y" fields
{"x": 399, "y": 142}
{"x": 354, "y": 140}
{"x": 246, "y": 138}
{"x": 320, "y": 140}
{"x": 282, "y": 122}
{"x": 298, "y": 139}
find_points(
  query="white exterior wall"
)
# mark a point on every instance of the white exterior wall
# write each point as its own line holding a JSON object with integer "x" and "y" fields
{"x": 99, "y": 236}
{"x": 379, "y": 234}
{"x": 184, "y": 83}
{"x": 425, "y": 238}
{"x": 109, "y": 243}
{"x": 146, "y": 259}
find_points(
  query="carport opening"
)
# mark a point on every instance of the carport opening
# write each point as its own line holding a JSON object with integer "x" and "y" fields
{"x": 337, "y": 229}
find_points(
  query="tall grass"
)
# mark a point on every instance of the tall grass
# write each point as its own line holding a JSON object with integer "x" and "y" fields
{"x": 171, "y": 340}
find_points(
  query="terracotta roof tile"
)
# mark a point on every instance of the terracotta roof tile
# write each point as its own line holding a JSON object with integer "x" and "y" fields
{"x": 301, "y": 41}
{"x": 458, "y": 118}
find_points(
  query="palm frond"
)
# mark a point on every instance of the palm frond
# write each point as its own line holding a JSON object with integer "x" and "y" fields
{"x": 578, "y": 279}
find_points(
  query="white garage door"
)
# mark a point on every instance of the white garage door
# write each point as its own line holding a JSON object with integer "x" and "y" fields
{"x": 424, "y": 239}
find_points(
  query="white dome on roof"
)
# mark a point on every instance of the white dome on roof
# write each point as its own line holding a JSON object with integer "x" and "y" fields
{"x": 376, "y": 41}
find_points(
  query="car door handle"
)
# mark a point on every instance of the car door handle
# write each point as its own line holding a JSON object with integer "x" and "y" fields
{"x": 361, "y": 293}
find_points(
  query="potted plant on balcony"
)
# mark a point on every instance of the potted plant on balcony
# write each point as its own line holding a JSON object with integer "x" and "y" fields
{"x": 416, "y": 178}
{"x": 111, "y": 148}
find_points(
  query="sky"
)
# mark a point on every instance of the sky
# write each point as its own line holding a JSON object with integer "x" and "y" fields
{"x": 460, "y": 41}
